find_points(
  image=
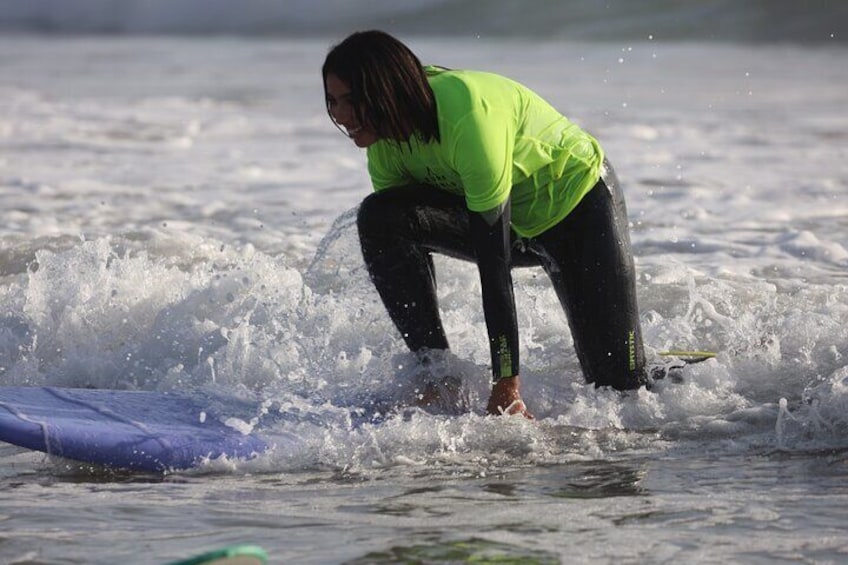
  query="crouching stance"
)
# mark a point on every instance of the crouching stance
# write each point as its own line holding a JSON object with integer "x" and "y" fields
{"x": 478, "y": 167}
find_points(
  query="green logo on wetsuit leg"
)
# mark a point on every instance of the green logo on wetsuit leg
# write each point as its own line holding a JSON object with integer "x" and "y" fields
{"x": 631, "y": 349}
{"x": 505, "y": 356}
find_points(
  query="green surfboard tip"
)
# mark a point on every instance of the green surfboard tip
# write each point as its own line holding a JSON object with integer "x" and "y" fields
{"x": 689, "y": 356}
{"x": 241, "y": 554}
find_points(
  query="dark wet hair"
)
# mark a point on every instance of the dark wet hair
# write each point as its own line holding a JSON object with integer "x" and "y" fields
{"x": 387, "y": 83}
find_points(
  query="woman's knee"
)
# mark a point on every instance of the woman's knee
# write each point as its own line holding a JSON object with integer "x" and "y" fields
{"x": 375, "y": 214}
{"x": 369, "y": 209}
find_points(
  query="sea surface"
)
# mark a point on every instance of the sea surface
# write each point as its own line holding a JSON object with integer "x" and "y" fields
{"x": 177, "y": 214}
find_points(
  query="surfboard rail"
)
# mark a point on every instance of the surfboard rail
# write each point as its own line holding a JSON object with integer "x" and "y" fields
{"x": 133, "y": 430}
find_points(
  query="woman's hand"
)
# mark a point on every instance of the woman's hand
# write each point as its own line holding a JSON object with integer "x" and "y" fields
{"x": 506, "y": 398}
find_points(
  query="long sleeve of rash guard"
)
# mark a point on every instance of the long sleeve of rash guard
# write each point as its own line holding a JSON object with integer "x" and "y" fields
{"x": 492, "y": 248}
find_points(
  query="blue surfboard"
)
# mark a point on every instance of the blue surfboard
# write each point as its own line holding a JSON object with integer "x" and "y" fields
{"x": 134, "y": 430}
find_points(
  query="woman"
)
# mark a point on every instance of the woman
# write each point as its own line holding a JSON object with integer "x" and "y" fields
{"x": 476, "y": 166}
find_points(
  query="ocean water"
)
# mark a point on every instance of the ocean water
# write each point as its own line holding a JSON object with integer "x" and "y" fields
{"x": 177, "y": 214}
{"x": 816, "y": 21}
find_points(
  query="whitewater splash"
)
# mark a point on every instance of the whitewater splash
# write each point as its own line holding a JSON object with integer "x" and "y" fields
{"x": 175, "y": 232}
{"x": 316, "y": 346}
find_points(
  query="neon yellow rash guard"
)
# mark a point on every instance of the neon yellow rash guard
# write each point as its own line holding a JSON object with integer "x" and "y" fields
{"x": 499, "y": 140}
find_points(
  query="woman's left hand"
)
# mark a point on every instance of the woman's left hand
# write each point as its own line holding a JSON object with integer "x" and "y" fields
{"x": 506, "y": 398}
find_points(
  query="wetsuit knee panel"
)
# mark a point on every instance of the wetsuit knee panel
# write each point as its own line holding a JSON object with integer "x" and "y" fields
{"x": 379, "y": 214}
{"x": 370, "y": 209}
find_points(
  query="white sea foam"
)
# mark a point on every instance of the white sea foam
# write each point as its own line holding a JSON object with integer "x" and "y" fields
{"x": 165, "y": 235}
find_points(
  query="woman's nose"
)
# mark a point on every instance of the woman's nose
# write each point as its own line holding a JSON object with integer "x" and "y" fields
{"x": 342, "y": 114}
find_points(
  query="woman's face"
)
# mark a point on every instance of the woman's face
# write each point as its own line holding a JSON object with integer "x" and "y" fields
{"x": 343, "y": 111}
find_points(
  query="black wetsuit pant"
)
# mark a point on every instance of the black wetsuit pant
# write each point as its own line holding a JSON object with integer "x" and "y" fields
{"x": 587, "y": 257}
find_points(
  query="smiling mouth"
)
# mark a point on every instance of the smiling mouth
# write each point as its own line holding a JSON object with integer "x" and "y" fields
{"x": 353, "y": 132}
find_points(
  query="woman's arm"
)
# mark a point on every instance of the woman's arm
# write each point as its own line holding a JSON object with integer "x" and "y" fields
{"x": 490, "y": 234}
{"x": 491, "y": 241}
